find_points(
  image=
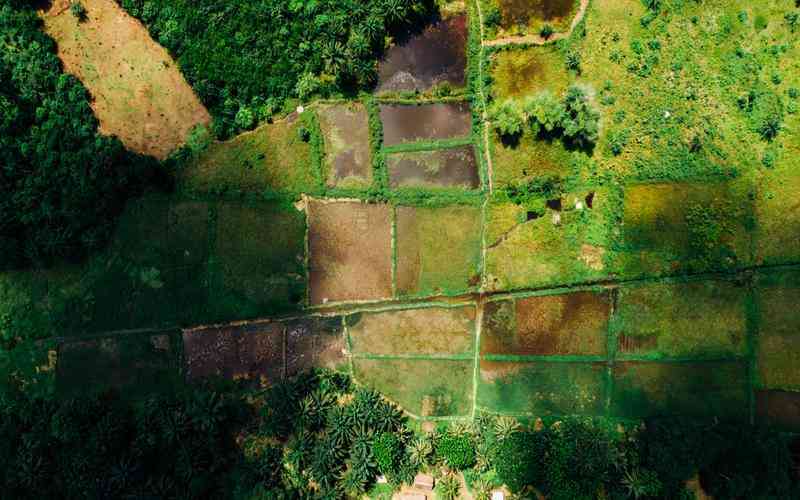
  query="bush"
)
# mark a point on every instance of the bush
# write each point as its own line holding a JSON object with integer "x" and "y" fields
{"x": 78, "y": 10}
{"x": 581, "y": 123}
{"x": 507, "y": 119}
{"x": 572, "y": 60}
{"x": 387, "y": 449}
{"x": 457, "y": 451}
{"x": 547, "y": 31}
{"x": 448, "y": 487}
{"x": 546, "y": 113}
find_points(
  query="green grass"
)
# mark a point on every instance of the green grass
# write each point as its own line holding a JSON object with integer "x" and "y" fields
{"x": 663, "y": 320}
{"x": 779, "y": 330}
{"x": 521, "y": 72}
{"x": 428, "y": 388}
{"x": 542, "y": 389}
{"x": 438, "y": 250}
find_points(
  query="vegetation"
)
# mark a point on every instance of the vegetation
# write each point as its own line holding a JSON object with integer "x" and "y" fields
{"x": 62, "y": 182}
{"x": 245, "y": 59}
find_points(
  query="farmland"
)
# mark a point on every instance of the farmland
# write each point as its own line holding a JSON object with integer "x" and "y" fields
{"x": 530, "y": 211}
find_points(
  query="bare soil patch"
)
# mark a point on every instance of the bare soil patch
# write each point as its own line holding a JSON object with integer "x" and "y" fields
{"x": 569, "y": 324}
{"x": 419, "y": 331}
{"x": 350, "y": 251}
{"x": 139, "y": 92}
{"x": 408, "y": 123}
{"x": 454, "y": 167}
{"x": 346, "y": 131}
{"x": 434, "y": 56}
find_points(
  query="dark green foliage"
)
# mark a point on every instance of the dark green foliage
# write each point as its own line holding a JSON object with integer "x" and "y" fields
{"x": 507, "y": 118}
{"x": 238, "y": 53}
{"x": 572, "y": 60}
{"x": 62, "y": 182}
{"x": 516, "y": 460}
{"x": 457, "y": 451}
{"x": 581, "y": 122}
{"x": 387, "y": 449}
{"x": 78, "y": 10}
{"x": 547, "y": 31}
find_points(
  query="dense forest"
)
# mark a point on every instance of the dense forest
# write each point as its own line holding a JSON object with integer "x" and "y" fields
{"x": 244, "y": 58}
{"x": 320, "y": 436}
{"x": 62, "y": 183}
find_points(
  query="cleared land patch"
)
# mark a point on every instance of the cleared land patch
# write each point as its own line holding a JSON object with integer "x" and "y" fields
{"x": 428, "y": 388}
{"x": 542, "y": 389}
{"x": 350, "y": 251}
{"x": 438, "y": 250}
{"x": 779, "y": 331}
{"x": 569, "y": 324}
{"x": 139, "y": 93}
{"x": 404, "y": 123}
{"x": 524, "y": 16}
{"x": 706, "y": 389}
{"x": 273, "y": 157}
{"x": 696, "y": 319}
{"x": 436, "y": 330}
{"x": 443, "y": 168}
{"x": 346, "y": 131}
{"x": 437, "y": 55}
{"x": 550, "y": 242}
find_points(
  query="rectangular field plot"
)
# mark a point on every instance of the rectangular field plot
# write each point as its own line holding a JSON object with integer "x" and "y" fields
{"x": 569, "y": 324}
{"x": 350, "y": 251}
{"x": 542, "y": 389}
{"x": 779, "y": 409}
{"x": 139, "y": 93}
{"x": 259, "y": 260}
{"x": 254, "y": 352}
{"x": 314, "y": 343}
{"x": 438, "y": 250}
{"x": 426, "y": 122}
{"x": 528, "y": 16}
{"x": 704, "y": 319}
{"x": 435, "y": 56}
{"x": 428, "y": 388}
{"x": 778, "y": 213}
{"x": 272, "y": 157}
{"x": 530, "y": 158}
{"x": 443, "y": 168}
{"x": 563, "y": 241}
{"x": 778, "y": 295}
{"x": 704, "y": 389}
{"x": 437, "y": 330}
{"x": 669, "y": 228}
{"x": 131, "y": 363}
{"x": 347, "y": 151}
{"x": 522, "y": 72}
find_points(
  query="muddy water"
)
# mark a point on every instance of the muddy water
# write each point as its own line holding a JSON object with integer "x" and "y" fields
{"x": 434, "y": 56}
{"x": 407, "y": 123}
{"x": 454, "y": 167}
{"x": 520, "y": 12}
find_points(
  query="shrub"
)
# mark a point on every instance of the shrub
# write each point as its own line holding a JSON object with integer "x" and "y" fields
{"x": 642, "y": 483}
{"x": 78, "y": 10}
{"x": 387, "y": 450}
{"x": 457, "y": 451}
{"x": 420, "y": 451}
{"x": 582, "y": 121}
{"x": 507, "y": 118}
{"x": 245, "y": 119}
{"x": 572, "y": 60}
{"x": 617, "y": 140}
{"x": 792, "y": 20}
{"x": 448, "y": 487}
{"x": 546, "y": 113}
{"x": 547, "y": 31}
{"x": 492, "y": 17}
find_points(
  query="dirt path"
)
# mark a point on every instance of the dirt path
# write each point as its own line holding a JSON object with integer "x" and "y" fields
{"x": 481, "y": 91}
{"x": 537, "y": 39}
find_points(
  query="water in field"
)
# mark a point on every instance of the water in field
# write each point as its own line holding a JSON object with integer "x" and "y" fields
{"x": 434, "y": 56}
{"x": 521, "y": 12}
{"x": 408, "y": 123}
{"x": 455, "y": 167}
